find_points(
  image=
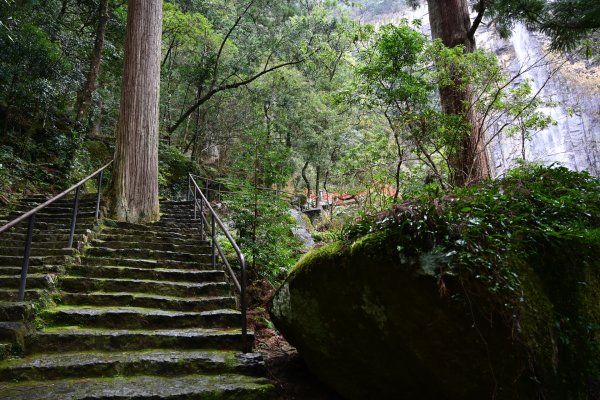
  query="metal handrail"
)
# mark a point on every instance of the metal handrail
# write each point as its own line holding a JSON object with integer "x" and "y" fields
{"x": 32, "y": 213}
{"x": 200, "y": 202}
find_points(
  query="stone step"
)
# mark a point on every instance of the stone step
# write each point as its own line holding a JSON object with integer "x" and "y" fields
{"x": 176, "y": 203}
{"x": 137, "y": 317}
{"x": 33, "y": 269}
{"x": 200, "y": 248}
{"x": 157, "y": 274}
{"x": 46, "y": 236}
{"x": 123, "y": 299}
{"x": 17, "y": 261}
{"x": 12, "y": 294}
{"x": 140, "y": 263}
{"x": 109, "y": 364}
{"x": 34, "y": 281}
{"x": 223, "y": 387}
{"x": 36, "y": 251}
{"x": 127, "y": 240}
{"x": 176, "y": 224}
{"x": 172, "y": 231}
{"x": 43, "y": 216}
{"x": 149, "y": 254}
{"x": 16, "y": 311}
{"x": 152, "y": 237}
{"x": 13, "y": 332}
{"x": 177, "y": 289}
{"x": 39, "y": 244}
{"x": 54, "y": 227}
{"x": 66, "y": 339}
{"x": 43, "y": 228}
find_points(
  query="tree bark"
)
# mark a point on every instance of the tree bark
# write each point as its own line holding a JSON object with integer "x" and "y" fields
{"x": 450, "y": 22}
{"x": 84, "y": 98}
{"x": 317, "y": 184}
{"x": 307, "y": 183}
{"x": 134, "y": 186}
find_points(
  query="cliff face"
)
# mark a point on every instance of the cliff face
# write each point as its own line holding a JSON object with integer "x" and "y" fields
{"x": 575, "y": 139}
{"x": 571, "y": 82}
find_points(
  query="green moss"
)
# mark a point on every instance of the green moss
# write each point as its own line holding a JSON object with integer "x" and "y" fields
{"x": 524, "y": 251}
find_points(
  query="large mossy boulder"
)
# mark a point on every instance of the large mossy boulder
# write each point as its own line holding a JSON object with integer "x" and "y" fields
{"x": 493, "y": 292}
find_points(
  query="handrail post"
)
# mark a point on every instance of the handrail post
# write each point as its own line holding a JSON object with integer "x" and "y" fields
{"x": 26, "y": 255}
{"x": 195, "y": 202}
{"x": 245, "y": 344}
{"x": 206, "y": 190}
{"x": 201, "y": 218}
{"x": 99, "y": 195}
{"x": 214, "y": 245}
{"x": 74, "y": 218}
{"x": 189, "y": 192}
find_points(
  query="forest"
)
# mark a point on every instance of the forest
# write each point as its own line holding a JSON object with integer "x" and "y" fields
{"x": 397, "y": 131}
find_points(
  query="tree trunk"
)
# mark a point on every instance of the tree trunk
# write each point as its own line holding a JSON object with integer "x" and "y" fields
{"x": 307, "y": 183}
{"x": 134, "y": 186}
{"x": 468, "y": 162}
{"x": 317, "y": 184}
{"x": 84, "y": 98}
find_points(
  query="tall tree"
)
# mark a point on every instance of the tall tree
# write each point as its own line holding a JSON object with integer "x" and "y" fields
{"x": 450, "y": 22}
{"x": 134, "y": 186}
{"x": 84, "y": 97}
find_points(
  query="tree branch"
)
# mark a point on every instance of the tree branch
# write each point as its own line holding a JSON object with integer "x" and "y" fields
{"x": 221, "y": 88}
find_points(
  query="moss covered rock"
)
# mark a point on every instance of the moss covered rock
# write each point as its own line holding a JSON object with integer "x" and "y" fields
{"x": 438, "y": 300}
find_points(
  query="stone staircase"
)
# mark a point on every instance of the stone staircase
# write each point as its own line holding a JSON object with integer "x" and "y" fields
{"x": 48, "y": 257}
{"x": 142, "y": 314}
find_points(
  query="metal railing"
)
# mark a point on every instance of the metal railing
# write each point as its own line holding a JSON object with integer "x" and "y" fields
{"x": 201, "y": 204}
{"x": 30, "y": 215}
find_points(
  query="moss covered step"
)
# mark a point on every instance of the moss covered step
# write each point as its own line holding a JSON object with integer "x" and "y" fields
{"x": 43, "y": 237}
{"x": 140, "y": 263}
{"x": 12, "y": 294}
{"x": 222, "y": 387}
{"x": 43, "y": 229}
{"x": 17, "y": 261}
{"x": 149, "y": 301}
{"x": 149, "y": 362}
{"x": 88, "y": 209}
{"x": 34, "y": 269}
{"x": 137, "y": 317}
{"x": 36, "y": 251}
{"x": 83, "y": 217}
{"x": 34, "y": 281}
{"x": 173, "y": 275}
{"x": 13, "y": 332}
{"x": 192, "y": 248}
{"x": 62, "y": 339}
{"x": 178, "y": 289}
{"x": 183, "y": 240}
{"x": 16, "y": 311}
{"x": 48, "y": 244}
{"x": 172, "y": 231}
{"x": 148, "y": 254}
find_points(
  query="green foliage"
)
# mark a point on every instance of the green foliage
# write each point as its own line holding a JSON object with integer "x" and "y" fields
{"x": 485, "y": 236}
{"x": 400, "y": 74}
{"x": 173, "y": 170}
{"x": 264, "y": 227}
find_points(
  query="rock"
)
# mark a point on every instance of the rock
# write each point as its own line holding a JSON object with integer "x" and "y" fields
{"x": 368, "y": 319}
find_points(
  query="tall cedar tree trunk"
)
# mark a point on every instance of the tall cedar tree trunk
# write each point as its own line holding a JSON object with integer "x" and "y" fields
{"x": 134, "y": 186}
{"x": 451, "y": 23}
{"x": 84, "y": 97}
